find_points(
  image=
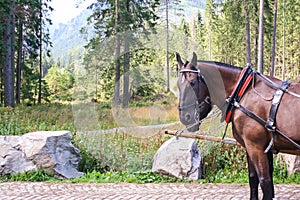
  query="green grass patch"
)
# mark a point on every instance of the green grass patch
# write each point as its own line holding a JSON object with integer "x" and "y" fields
{"x": 24, "y": 119}
{"x": 119, "y": 152}
{"x": 135, "y": 177}
{"x": 94, "y": 177}
{"x": 37, "y": 176}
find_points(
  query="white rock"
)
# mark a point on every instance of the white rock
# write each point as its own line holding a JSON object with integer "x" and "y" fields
{"x": 179, "y": 157}
{"x": 12, "y": 159}
{"x": 52, "y": 151}
{"x": 292, "y": 163}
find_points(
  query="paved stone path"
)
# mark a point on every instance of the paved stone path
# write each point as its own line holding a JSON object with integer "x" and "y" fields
{"x": 168, "y": 191}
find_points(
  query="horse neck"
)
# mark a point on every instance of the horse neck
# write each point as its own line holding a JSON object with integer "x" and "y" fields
{"x": 220, "y": 80}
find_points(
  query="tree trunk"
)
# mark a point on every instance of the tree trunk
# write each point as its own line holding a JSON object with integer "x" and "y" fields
{"x": 261, "y": 38}
{"x": 117, "y": 54}
{"x": 167, "y": 46}
{"x": 126, "y": 95}
{"x": 2, "y": 63}
{"x": 1, "y": 76}
{"x": 8, "y": 71}
{"x": 256, "y": 33}
{"x": 41, "y": 56}
{"x": 127, "y": 38}
{"x": 247, "y": 26}
{"x": 274, "y": 40}
{"x": 283, "y": 43}
{"x": 210, "y": 39}
{"x": 19, "y": 62}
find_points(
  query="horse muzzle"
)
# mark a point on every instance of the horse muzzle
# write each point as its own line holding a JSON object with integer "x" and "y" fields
{"x": 193, "y": 127}
{"x": 190, "y": 122}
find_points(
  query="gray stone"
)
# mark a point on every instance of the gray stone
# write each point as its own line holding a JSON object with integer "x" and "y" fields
{"x": 179, "y": 157}
{"x": 292, "y": 162}
{"x": 12, "y": 159}
{"x": 52, "y": 151}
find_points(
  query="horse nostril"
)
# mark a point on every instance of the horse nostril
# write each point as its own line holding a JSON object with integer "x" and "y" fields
{"x": 187, "y": 117}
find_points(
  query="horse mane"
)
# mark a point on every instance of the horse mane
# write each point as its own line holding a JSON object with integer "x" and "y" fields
{"x": 220, "y": 64}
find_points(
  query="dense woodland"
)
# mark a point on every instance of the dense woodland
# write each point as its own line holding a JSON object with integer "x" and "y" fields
{"x": 227, "y": 31}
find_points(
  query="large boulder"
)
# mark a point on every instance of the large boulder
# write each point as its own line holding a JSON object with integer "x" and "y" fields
{"x": 179, "y": 157}
{"x": 292, "y": 163}
{"x": 12, "y": 158}
{"x": 52, "y": 151}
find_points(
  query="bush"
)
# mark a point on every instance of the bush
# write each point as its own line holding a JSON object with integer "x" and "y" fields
{"x": 225, "y": 163}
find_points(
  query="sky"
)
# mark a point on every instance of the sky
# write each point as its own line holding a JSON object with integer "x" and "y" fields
{"x": 65, "y": 10}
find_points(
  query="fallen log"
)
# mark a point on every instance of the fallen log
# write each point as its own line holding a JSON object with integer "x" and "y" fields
{"x": 201, "y": 136}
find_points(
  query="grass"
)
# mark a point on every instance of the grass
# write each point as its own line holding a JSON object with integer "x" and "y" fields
{"x": 94, "y": 177}
{"x": 222, "y": 176}
{"x": 102, "y": 153}
{"x": 136, "y": 177}
{"x": 126, "y": 157}
{"x": 117, "y": 152}
{"x": 24, "y": 119}
{"x": 36, "y": 176}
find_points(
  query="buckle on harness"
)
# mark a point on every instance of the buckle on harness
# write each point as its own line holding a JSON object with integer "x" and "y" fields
{"x": 270, "y": 124}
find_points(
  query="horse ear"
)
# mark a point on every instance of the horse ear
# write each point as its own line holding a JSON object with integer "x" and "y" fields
{"x": 194, "y": 60}
{"x": 179, "y": 61}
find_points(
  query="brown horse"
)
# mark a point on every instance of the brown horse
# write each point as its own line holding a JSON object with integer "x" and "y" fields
{"x": 247, "y": 106}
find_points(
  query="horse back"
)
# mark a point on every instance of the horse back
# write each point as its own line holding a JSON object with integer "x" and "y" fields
{"x": 288, "y": 115}
{"x": 258, "y": 99}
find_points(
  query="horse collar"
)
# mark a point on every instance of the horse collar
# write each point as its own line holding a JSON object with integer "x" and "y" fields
{"x": 244, "y": 79}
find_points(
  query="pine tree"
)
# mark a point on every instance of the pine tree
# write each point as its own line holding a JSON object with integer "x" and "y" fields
{"x": 22, "y": 19}
{"x": 122, "y": 17}
{"x": 287, "y": 46}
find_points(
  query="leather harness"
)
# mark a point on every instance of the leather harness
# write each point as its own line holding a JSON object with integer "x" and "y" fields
{"x": 245, "y": 78}
{"x": 232, "y": 102}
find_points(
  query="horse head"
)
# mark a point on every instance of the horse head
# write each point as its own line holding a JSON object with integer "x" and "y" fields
{"x": 194, "y": 98}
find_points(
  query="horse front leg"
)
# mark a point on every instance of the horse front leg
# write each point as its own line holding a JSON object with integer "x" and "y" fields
{"x": 271, "y": 168}
{"x": 253, "y": 180}
{"x": 264, "y": 169}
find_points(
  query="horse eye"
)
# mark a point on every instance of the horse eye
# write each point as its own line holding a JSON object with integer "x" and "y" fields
{"x": 193, "y": 82}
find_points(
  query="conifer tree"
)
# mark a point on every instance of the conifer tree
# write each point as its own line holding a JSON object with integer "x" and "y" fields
{"x": 122, "y": 17}
{"x": 20, "y": 22}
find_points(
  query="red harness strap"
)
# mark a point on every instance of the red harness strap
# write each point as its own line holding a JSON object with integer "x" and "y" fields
{"x": 228, "y": 116}
{"x": 245, "y": 78}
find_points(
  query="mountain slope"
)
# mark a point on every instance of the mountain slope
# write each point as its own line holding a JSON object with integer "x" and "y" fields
{"x": 66, "y": 37}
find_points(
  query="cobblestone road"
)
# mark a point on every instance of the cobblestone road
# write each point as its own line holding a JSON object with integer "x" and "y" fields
{"x": 169, "y": 191}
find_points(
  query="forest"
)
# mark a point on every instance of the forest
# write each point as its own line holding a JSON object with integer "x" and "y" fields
{"x": 122, "y": 69}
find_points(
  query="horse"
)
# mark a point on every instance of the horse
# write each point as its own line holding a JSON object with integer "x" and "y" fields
{"x": 263, "y": 111}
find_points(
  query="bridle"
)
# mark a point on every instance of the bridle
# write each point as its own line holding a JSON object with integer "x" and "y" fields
{"x": 198, "y": 104}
